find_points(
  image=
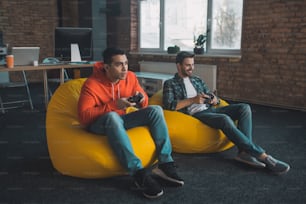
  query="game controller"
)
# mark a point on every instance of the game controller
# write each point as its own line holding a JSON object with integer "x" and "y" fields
{"x": 136, "y": 98}
{"x": 208, "y": 100}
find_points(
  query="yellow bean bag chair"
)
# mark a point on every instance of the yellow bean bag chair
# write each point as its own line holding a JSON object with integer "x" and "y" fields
{"x": 76, "y": 152}
{"x": 189, "y": 135}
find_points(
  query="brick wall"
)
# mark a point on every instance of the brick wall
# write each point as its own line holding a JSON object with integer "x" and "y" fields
{"x": 272, "y": 68}
{"x": 32, "y": 23}
{"x": 273, "y": 65}
{"x": 118, "y": 23}
{"x": 29, "y": 23}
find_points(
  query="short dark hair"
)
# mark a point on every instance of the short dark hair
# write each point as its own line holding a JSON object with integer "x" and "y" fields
{"x": 108, "y": 53}
{"x": 182, "y": 55}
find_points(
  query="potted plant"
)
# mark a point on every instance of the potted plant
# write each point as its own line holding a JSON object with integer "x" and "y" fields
{"x": 199, "y": 44}
{"x": 173, "y": 50}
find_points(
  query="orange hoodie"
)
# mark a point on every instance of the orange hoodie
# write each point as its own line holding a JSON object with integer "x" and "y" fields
{"x": 98, "y": 95}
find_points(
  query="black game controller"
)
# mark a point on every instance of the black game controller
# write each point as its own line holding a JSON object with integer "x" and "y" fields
{"x": 136, "y": 98}
{"x": 208, "y": 100}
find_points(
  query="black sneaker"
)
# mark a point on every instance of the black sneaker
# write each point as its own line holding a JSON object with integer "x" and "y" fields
{"x": 149, "y": 187}
{"x": 276, "y": 166}
{"x": 168, "y": 172}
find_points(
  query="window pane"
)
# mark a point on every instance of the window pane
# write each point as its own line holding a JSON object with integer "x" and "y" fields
{"x": 183, "y": 20}
{"x": 149, "y": 24}
{"x": 226, "y": 24}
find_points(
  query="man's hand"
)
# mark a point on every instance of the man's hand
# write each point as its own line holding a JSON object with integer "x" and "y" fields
{"x": 211, "y": 99}
{"x": 136, "y": 98}
{"x": 215, "y": 100}
{"x": 123, "y": 103}
{"x": 199, "y": 99}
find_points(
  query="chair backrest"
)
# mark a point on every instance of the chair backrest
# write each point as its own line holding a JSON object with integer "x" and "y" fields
{"x": 4, "y": 77}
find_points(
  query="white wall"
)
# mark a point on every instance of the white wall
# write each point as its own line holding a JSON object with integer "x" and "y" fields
{"x": 207, "y": 72}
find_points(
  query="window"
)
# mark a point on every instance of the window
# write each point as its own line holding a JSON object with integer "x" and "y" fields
{"x": 165, "y": 23}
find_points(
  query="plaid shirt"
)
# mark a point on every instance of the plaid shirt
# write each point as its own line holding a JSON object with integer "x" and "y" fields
{"x": 174, "y": 90}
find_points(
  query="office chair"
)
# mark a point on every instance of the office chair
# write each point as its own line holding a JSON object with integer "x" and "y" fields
{"x": 5, "y": 82}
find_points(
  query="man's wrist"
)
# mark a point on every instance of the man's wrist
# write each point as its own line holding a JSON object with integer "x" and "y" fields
{"x": 192, "y": 100}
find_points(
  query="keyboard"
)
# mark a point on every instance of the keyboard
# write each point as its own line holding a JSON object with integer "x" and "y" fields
{"x": 50, "y": 64}
{"x": 81, "y": 62}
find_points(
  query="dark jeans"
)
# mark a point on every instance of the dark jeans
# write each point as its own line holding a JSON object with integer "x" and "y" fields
{"x": 223, "y": 118}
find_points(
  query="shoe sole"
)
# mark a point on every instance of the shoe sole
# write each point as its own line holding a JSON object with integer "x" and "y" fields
{"x": 161, "y": 174}
{"x": 250, "y": 163}
{"x": 282, "y": 172}
{"x": 149, "y": 196}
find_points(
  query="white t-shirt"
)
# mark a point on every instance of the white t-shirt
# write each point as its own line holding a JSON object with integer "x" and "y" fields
{"x": 191, "y": 92}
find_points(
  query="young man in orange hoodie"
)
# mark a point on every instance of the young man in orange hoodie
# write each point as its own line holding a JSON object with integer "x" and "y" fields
{"x": 103, "y": 101}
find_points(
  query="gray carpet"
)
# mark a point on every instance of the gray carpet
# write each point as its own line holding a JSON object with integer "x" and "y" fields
{"x": 27, "y": 175}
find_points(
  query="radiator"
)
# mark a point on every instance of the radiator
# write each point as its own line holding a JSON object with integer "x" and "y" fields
{"x": 207, "y": 72}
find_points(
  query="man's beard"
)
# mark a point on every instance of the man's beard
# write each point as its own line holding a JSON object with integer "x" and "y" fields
{"x": 187, "y": 72}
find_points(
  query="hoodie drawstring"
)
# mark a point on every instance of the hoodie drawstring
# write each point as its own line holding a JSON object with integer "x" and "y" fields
{"x": 113, "y": 92}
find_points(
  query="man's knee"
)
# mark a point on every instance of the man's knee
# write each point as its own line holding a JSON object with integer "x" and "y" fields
{"x": 245, "y": 108}
{"x": 112, "y": 115}
{"x": 225, "y": 120}
{"x": 110, "y": 118}
{"x": 155, "y": 109}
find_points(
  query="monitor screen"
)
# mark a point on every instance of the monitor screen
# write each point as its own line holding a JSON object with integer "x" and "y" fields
{"x": 65, "y": 36}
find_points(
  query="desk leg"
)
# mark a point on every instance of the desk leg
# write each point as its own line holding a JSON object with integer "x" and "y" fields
{"x": 46, "y": 88}
{"x": 62, "y": 75}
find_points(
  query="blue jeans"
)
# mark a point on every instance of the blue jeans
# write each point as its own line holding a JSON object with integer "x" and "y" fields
{"x": 114, "y": 126}
{"x": 223, "y": 118}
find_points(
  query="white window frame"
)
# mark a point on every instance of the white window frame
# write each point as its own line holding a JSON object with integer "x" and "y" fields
{"x": 209, "y": 50}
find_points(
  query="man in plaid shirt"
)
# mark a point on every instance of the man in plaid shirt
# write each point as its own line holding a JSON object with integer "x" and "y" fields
{"x": 189, "y": 94}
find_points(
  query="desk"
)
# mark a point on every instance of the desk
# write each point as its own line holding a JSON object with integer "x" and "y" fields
{"x": 44, "y": 69}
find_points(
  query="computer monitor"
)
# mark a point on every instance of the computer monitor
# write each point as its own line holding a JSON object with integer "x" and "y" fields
{"x": 65, "y": 36}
